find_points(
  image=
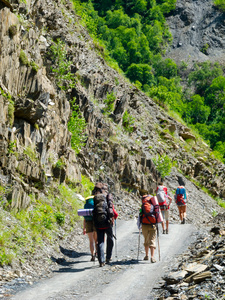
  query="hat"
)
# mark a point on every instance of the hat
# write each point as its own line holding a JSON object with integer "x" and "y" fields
{"x": 89, "y": 197}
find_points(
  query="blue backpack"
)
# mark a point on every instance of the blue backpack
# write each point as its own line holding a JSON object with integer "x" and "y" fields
{"x": 181, "y": 197}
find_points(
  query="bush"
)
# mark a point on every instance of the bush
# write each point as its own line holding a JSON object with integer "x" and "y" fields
{"x": 163, "y": 165}
{"x": 76, "y": 126}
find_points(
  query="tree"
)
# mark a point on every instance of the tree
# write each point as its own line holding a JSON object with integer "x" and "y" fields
{"x": 215, "y": 97}
{"x": 203, "y": 76}
{"x": 140, "y": 72}
{"x": 197, "y": 111}
{"x": 166, "y": 68}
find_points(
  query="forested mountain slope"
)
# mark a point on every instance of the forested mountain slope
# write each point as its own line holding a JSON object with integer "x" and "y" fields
{"x": 53, "y": 80}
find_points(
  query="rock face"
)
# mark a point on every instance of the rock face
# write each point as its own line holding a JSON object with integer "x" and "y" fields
{"x": 35, "y": 112}
{"x": 198, "y": 32}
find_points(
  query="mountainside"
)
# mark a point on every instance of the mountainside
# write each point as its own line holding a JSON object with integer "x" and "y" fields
{"x": 35, "y": 143}
{"x": 198, "y": 32}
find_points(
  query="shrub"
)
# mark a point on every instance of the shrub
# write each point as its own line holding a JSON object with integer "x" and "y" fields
{"x": 64, "y": 78}
{"x": 163, "y": 165}
{"x": 23, "y": 58}
{"x": 109, "y": 102}
{"x": 76, "y": 126}
{"x": 128, "y": 122}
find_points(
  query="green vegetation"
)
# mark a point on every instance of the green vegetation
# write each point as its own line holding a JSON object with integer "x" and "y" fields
{"x": 76, "y": 126}
{"x": 30, "y": 151}
{"x": 220, "y": 4}
{"x": 12, "y": 30}
{"x": 23, "y": 58}
{"x": 135, "y": 35}
{"x": 64, "y": 78}
{"x": 34, "y": 66}
{"x": 109, "y": 103}
{"x": 163, "y": 165}
{"x": 11, "y": 147}
{"x": 27, "y": 229}
{"x": 128, "y": 122}
{"x": 11, "y": 112}
{"x": 60, "y": 164}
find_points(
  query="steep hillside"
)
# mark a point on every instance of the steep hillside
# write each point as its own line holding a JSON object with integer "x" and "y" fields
{"x": 198, "y": 32}
{"x": 35, "y": 113}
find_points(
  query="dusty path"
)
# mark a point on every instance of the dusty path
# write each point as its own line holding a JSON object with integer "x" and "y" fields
{"x": 125, "y": 278}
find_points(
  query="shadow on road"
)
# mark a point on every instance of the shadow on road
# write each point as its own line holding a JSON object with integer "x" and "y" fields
{"x": 72, "y": 253}
{"x": 71, "y": 270}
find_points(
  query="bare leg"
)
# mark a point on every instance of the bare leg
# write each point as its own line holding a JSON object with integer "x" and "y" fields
{"x": 152, "y": 250}
{"x": 180, "y": 213}
{"x": 146, "y": 250}
{"x": 91, "y": 243}
{"x": 96, "y": 240}
{"x": 167, "y": 225}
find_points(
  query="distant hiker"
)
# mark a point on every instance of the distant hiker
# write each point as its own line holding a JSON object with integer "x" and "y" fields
{"x": 148, "y": 220}
{"x": 181, "y": 201}
{"x": 89, "y": 228}
{"x": 164, "y": 204}
{"x": 103, "y": 220}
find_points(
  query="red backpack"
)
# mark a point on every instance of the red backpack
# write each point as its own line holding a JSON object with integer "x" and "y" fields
{"x": 148, "y": 210}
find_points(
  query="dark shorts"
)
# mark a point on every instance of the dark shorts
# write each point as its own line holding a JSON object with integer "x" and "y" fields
{"x": 90, "y": 227}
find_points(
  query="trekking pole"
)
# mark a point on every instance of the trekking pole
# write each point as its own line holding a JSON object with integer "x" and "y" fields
{"x": 115, "y": 241}
{"x": 158, "y": 239}
{"x": 139, "y": 237}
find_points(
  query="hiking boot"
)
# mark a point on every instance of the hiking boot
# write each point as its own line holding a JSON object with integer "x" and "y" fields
{"x": 102, "y": 264}
{"x": 183, "y": 220}
{"x": 153, "y": 260}
{"x": 146, "y": 257}
{"x": 164, "y": 231}
{"x": 108, "y": 260}
{"x": 93, "y": 258}
{"x": 167, "y": 231}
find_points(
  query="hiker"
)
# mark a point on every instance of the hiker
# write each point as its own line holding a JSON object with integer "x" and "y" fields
{"x": 164, "y": 204}
{"x": 89, "y": 228}
{"x": 103, "y": 220}
{"x": 148, "y": 220}
{"x": 181, "y": 198}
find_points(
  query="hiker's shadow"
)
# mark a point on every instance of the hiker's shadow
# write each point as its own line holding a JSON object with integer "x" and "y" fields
{"x": 71, "y": 270}
{"x": 72, "y": 253}
{"x": 127, "y": 262}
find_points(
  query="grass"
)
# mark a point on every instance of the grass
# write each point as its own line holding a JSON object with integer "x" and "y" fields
{"x": 23, "y": 232}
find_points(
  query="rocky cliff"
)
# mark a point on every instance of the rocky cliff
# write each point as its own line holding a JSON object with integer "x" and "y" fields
{"x": 35, "y": 112}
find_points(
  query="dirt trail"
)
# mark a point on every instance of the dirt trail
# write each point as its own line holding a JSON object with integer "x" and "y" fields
{"x": 125, "y": 278}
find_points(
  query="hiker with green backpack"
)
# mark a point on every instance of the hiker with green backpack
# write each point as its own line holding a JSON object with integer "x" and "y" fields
{"x": 89, "y": 228}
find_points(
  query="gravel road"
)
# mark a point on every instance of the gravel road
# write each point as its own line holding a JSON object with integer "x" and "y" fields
{"x": 125, "y": 278}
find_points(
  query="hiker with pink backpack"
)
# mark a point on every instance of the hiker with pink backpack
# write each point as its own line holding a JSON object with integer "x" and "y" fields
{"x": 164, "y": 204}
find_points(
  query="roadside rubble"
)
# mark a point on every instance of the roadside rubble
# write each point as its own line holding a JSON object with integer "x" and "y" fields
{"x": 199, "y": 273}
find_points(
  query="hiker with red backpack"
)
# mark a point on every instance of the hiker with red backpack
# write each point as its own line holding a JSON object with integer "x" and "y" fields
{"x": 149, "y": 213}
{"x": 103, "y": 216}
{"x": 181, "y": 201}
{"x": 164, "y": 204}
